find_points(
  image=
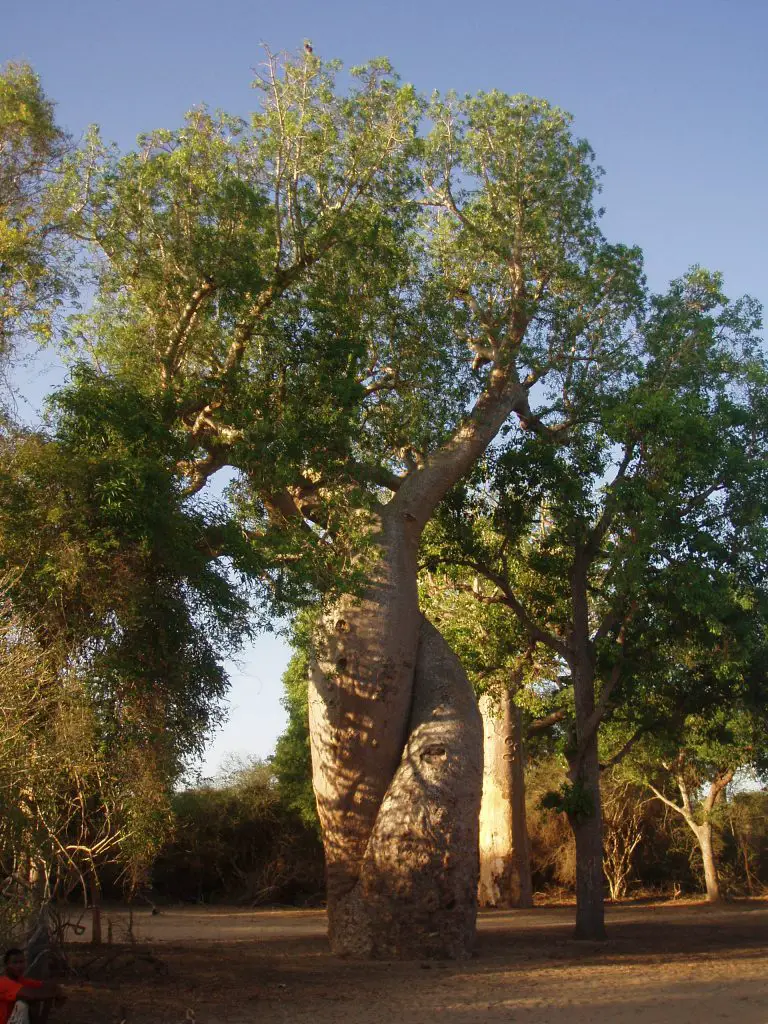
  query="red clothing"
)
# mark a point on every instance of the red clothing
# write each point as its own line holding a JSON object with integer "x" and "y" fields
{"x": 9, "y": 990}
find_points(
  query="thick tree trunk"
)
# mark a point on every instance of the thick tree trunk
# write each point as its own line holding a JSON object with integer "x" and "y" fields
{"x": 418, "y": 882}
{"x": 395, "y": 731}
{"x": 412, "y": 892}
{"x": 587, "y": 824}
{"x": 360, "y": 690}
{"x": 505, "y": 867}
{"x": 397, "y": 767}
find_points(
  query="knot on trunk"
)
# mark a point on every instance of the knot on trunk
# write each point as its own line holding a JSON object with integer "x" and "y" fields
{"x": 434, "y": 752}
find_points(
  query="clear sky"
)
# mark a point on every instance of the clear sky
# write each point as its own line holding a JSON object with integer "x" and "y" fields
{"x": 672, "y": 94}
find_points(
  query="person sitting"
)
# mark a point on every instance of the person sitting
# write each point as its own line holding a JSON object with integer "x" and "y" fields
{"x": 25, "y": 1000}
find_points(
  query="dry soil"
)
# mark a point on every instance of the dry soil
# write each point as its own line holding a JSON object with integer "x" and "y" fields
{"x": 663, "y": 964}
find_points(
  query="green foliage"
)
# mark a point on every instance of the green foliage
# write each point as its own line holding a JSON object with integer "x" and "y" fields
{"x": 34, "y": 254}
{"x": 692, "y": 751}
{"x": 69, "y": 805}
{"x": 649, "y": 500}
{"x": 572, "y": 799}
{"x": 292, "y": 762}
{"x": 301, "y": 294}
{"x": 118, "y": 618}
{"x": 518, "y": 243}
{"x": 108, "y": 557}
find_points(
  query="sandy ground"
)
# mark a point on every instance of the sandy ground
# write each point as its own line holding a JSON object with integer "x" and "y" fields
{"x": 663, "y": 964}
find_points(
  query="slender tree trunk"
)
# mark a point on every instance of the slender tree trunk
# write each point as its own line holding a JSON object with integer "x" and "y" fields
{"x": 505, "y": 869}
{"x": 521, "y": 841}
{"x": 585, "y": 814}
{"x": 95, "y": 898}
{"x": 704, "y": 832}
{"x": 704, "y": 836}
{"x": 742, "y": 844}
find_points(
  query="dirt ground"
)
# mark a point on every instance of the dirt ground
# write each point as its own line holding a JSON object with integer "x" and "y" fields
{"x": 663, "y": 964}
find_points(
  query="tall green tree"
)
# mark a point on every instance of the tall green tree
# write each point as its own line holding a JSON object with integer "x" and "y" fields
{"x": 700, "y": 767}
{"x": 636, "y": 541}
{"x": 116, "y": 623}
{"x": 345, "y": 313}
{"x": 35, "y": 254}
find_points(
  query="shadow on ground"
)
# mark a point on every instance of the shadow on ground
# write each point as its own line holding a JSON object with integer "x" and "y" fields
{"x": 661, "y": 965}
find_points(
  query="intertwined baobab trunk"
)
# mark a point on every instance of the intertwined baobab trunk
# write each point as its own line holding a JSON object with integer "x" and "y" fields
{"x": 505, "y": 865}
{"x": 397, "y": 764}
{"x": 396, "y": 734}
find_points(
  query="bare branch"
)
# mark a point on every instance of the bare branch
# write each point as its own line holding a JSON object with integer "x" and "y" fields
{"x": 670, "y": 803}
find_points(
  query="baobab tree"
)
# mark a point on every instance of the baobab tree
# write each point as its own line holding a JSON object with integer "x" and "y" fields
{"x": 344, "y": 311}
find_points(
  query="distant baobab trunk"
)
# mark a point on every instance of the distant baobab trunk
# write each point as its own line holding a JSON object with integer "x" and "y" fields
{"x": 505, "y": 863}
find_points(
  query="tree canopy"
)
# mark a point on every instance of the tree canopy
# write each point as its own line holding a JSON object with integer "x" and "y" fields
{"x": 312, "y": 329}
{"x": 35, "y": 250}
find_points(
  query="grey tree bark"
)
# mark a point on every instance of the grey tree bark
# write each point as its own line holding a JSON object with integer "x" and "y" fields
{"x": 587, "y": 825}
{"x": 585, "y": 816}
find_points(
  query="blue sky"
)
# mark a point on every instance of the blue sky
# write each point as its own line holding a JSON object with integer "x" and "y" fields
{"x": 672, "y": 94}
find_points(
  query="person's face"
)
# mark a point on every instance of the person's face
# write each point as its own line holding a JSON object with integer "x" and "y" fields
{"x": 15, "y": 966}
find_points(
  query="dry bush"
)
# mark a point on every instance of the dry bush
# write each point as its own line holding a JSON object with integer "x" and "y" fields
{"x": 237, "y": 841}
{"x": 746, "y": 843}
{"x": 553, "y": 848}
{"x": 624, "y": 827}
